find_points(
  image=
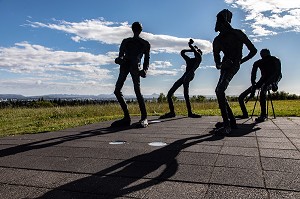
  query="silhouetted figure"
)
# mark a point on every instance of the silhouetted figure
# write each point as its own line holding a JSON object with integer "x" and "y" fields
{"x": 131, "y": 52}
{"x": 191, "y": 65}
{"x": 270, "y": 68}
{"x": 229, "y": 41}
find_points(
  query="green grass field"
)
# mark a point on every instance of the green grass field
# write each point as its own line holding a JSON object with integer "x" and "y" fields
{"x": 14, "y": 121}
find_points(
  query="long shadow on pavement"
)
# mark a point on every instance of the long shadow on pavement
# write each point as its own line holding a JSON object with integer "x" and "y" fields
{"x": 61, "y": 139}
{"x": 130, "y": 175}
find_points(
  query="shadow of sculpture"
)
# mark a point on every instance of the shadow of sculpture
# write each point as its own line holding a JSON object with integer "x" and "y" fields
{"x": 139, "y": 172}
{"x": 59, "y": 140}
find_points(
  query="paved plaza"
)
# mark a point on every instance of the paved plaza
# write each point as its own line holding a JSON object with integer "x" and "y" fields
{"x": 172, "y": 158}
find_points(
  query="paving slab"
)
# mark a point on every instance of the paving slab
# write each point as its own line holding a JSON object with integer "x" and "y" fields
{"x": 184, "y": 160}
{"x": 233, "y": 192}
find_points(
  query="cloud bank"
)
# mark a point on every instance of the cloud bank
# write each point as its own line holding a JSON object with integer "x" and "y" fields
{"x": 40, "y": 70}
{"x": 161, "y": 68}
{"x": 114, "y": 32}
{"x": 27, "y": 58}
{"x": 269, "y": 17}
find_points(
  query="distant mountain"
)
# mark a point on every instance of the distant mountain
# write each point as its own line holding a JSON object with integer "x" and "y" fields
{"x": 65, "y": 96}
{"x": 62, "y": 96}
{"x": 154, "y": 95}
{"x": 11, "y": 96}
{"x": 106, "y": 96}
{"x": 78, "y": 97}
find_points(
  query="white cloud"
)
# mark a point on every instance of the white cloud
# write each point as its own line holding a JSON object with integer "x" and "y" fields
{"x": 162, "y": 72}
{"x": 207, "y": 67}
{"x": 171, "y": 44}
{"x": 270, "y": 17}
{"x": 113, "y": 33}
{"x": 76, "y": 38}
{"x": 164, "y": 68}
{"x": 161, "y": 68}
{"x": 160, "y": 64}
{"x": 39, "y": 86}
{"x": 41, "y": 70}
{"x": 41, "y": 61}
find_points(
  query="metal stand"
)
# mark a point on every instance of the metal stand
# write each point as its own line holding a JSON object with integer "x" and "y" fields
{"x": 269, "y": 97}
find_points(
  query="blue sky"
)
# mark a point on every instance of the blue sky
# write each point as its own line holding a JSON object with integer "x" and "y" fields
{"x": 69, "y": 46}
